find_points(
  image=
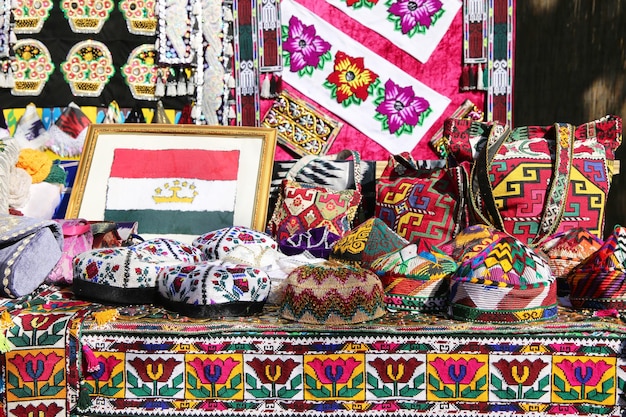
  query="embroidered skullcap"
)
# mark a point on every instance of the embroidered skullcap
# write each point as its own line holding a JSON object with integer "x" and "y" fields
{"x": 599, "y": 281}
{"x": 414, "y": 279}
{"x": 211, "y": 289}
{"x": 366, "y": 242}
{"x": 567, "y": 249}
{"x": 470, "y": 241}
{"x": 218, "y": 243}
{"x": 506, "y": 281}
{"x": 128, "y": 275}
{"x": 332, "y": 293}
{"x": 30, "y": 132}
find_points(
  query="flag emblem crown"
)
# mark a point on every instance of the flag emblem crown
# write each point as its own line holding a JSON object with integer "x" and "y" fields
{"x": 177, "y": 192}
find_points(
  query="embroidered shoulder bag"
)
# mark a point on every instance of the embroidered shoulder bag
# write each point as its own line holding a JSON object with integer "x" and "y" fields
{"x": 302, "y": 206}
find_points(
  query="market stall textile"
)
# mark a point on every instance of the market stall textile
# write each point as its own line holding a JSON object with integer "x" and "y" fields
{"x": 67, "y": 355}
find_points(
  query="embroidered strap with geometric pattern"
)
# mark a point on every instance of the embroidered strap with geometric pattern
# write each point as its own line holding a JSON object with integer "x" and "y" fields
{"x": 556, "y": 196}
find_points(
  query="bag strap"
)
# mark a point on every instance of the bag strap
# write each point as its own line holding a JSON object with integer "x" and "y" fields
{"x": 344, "y": 155}
{"x": 556, "y": 195}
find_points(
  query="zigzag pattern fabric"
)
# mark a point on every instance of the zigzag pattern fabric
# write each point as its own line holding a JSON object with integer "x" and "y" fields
{"x": 332, "y": 293}
{"x": 505, "y": 282}
{"x": 599, "y": 282}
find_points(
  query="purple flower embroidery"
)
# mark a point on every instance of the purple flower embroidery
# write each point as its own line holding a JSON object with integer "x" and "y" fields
{"x": 413, "y": 12}
{"x": 401, "y": 106}
{"x": 304, "y": 45}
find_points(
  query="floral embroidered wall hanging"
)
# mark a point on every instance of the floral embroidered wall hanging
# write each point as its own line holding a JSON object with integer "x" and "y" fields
{"x": 367, "y": 91}
{"x": 416, "y": 26}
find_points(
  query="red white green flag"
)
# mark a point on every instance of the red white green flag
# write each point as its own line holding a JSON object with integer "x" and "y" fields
{"x": 168, "y": 193}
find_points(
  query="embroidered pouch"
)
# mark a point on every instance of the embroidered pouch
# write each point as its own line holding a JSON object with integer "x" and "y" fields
{"x": 535, "y": 181}
{"x": 29, "y": 249}
{"x": 318, "y": 242}
{"x": 421, "y": 203}
{"x": 303, "y": 206}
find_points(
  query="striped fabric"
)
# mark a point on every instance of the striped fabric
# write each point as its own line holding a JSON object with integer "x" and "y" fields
{"x": 599, "y": 282}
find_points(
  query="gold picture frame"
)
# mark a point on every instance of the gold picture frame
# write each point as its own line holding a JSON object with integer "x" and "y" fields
{"x": 175, "y": 181}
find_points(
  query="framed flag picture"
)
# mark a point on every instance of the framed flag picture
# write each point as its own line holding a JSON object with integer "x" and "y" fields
{"x": 175, "y": 181}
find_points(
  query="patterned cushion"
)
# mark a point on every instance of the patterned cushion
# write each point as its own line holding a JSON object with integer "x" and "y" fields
{"x": 415, "y": 280}
{"x": 218, "y": 243}
{"x": 366, "y": 242}
{"x": 506, "y": 281}
{"x": 599, "y": 282}
{"x": 128, "y": 275}
{"x": 210, "y": 289}
{"x": 301, "y": 207}
{"x": 332, "y": 293}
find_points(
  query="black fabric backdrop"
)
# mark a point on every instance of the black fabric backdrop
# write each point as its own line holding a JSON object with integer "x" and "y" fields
{"x": 59, "y": 38}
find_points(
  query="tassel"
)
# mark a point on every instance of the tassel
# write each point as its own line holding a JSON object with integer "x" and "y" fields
{"x": 105, "y": 316}
{"x": 91, "y": 362}
{"x": 485, "y": 78}
{"x": 181, "y": 86}
{"x": 10, "y": 81}
{"x": 464, "y": 81}
{"x": 159, "y": 91}
{"x": 228, "y": 49}
{"x": 472, "y": 78}
{"x": 228, "y": 15}
{"x": 84, "y": 400}
{"x": 191, "y": 85}
{"x": 4, "y": 343}
{"x": 276, "y": 86}
{"x": 171, "y": 89}
{"x": 265, "y": 86}
{"x": 480, "y": 82}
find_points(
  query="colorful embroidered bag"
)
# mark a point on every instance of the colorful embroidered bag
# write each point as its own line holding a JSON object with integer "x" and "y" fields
{"x": 417, "y": 203}
{"x": 304, "y": 206}
{"x": 534, "y": 181}
{"x": 77, "y": 238}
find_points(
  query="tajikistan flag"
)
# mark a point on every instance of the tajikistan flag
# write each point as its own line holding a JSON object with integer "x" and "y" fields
{"x": 168, "y": 194}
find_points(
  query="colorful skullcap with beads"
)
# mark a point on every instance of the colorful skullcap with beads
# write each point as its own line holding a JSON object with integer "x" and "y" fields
{"x": 332, "y": 293}
{"x": 366, "y": 242}
{"x": 415, "y": 279}
{"x": 505, "y": 282}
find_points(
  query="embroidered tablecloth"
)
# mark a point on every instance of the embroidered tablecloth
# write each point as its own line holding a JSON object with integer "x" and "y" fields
{"x": 146, "y": 361}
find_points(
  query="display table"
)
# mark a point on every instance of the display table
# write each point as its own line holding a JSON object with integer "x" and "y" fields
{"x": 145, "y": 361}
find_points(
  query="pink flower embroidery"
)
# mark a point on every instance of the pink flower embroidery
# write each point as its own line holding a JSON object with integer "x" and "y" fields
{"x": 401, "y": 106}
{"x": 213, "y": 371}
{"x": 304, "y": 45}
{"x": 456, "y": 371}
{"x": 334, "y": 371}
{"x": 584, "y": 373}
{"x": 414, "y": 12}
